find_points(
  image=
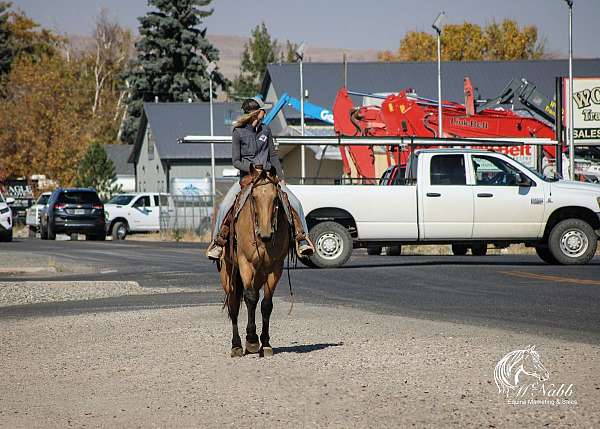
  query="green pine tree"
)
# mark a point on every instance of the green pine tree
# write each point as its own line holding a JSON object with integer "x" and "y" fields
{"x": 258, "y": 53}
{"x": 98, "y": 171}
{"x": 173, "y": 53}
{"x": 5, "y": 50}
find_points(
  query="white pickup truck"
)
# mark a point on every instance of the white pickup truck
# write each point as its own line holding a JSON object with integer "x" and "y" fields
{"x": 468, "y": 198}
{"x": 6, "y": 226}
{"x": 132, "y": 213}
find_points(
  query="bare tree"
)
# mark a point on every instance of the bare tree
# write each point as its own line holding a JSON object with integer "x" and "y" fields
{"x": 113, "y": 46}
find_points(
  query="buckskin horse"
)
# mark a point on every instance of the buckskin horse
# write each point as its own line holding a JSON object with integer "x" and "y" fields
{"x": 259, "y": 241}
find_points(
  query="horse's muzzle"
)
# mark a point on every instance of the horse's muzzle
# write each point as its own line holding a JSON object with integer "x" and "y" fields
{"x": 265, "y": 237}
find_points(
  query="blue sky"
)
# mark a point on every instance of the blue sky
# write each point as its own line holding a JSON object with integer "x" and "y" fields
{"x": 377, "y": 25}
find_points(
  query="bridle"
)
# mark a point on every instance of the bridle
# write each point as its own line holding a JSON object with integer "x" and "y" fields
{"x": 262, "y": 179}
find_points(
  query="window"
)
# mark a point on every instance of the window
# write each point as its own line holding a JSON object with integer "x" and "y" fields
{"x": 151, "y": 143}
{"x": 78, "y": 197}
{"x": 43, "y": 199}
{"x": 156, "y": 203}
{"x": 448, "y": 170}
{"x": 492, "y": 171}
{"x": 120, "y": 200}
{"x": 142, "y": 202}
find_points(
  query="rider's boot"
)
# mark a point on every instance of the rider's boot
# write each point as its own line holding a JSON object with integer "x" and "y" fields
{"x": 217, "y": 246}
{"x": 304, "y": 246}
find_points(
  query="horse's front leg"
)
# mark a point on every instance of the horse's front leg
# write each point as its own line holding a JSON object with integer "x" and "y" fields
{"x": 251, "y": 299}
{"x": 266, "y": 307}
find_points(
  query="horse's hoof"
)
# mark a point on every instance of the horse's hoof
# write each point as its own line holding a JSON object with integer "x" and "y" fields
{"x": 267, "y": 352}
{"x": 237, "y": 352}
{"x": 252, "y": 347}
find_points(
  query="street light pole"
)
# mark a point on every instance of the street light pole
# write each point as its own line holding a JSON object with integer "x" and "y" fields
{"x": 300, "y": 56}
{"x": 570, "y": 127}
{"x": 437, "y": 26}
{"x": 210, "y": 69}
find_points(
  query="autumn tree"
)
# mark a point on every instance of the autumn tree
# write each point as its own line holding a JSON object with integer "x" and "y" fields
{"x": 260, "y": 50}
{"x": 44, "y": 119}
{"x": 173, "y": 53}
{"x": 470, "y": 42}
{"x": 97, "y": 171}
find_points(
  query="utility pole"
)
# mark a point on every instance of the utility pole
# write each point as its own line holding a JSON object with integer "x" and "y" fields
{"x": 437, "y": 26}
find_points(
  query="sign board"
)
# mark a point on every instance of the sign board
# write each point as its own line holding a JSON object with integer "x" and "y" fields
{"x": 191, "y": 186}
{"x": 586, "y": 109}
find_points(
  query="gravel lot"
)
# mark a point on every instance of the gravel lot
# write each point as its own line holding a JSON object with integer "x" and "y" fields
{"x": 333, "y": 367}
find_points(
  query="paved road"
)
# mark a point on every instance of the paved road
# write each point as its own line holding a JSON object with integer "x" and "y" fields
{"x": 511, "y": 292}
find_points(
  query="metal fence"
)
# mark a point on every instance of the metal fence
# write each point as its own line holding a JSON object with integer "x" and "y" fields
{"x": 181, "y": 214}
{"x": 191, "y": 214}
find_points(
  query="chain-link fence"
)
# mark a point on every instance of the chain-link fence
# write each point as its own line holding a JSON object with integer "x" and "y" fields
{"x": 191, "y": 216}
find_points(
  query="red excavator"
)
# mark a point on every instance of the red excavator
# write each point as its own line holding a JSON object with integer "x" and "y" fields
{"x": 408, "y": 115}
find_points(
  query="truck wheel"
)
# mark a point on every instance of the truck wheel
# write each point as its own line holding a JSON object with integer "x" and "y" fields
{"x": 42, "y": 232}
{"x": 459, "y": 249}
{"x": 50, "y": 234}
{"x": 545, "y": 255}
{"x": 7, "y": 235}
{"x": 374, "y": 250}
{"x": 572, "y": 242}
{"x": 393, "y": 250}
{"x": 333, "y": 245}
{"x": 479, "y": 249}
{"x": 119, "y": 231}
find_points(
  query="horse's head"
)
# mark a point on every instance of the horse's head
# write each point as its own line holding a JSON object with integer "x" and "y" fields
{"x": 532, "y": 365}
{"x": 264, "y": 194}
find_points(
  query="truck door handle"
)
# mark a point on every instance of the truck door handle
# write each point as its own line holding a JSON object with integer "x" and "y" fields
{"x": 485, "y": 195}
{"x": 433, "y": 194}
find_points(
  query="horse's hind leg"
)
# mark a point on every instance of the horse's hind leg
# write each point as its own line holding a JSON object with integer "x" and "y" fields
{"x": 251, "y": 299}
{"x": 266, "y": 307}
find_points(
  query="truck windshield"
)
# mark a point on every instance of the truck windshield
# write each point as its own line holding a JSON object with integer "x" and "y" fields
{"x": 43, "y": 200}
{"x": 120, "y": 200}
{"x": 1, "y": 198}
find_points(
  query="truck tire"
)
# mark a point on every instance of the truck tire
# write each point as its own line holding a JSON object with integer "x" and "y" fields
{"x": 479, "y": 249}
{"x": 572, "y": 242}
{"x": 374, "y": 250}
{"x": 50, "y": 234}
{"x": 459, "y": 249}
{"x": 43, "y": 232}
{"x": 7, "y": 235}
{"x": 545, "y": 255}
{"x": 393, "y": 250}
{"x": 333, "y": 245}
{"x": 119, "y": 231}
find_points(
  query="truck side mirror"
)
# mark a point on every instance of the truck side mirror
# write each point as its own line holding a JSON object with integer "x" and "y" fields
{"x": 524, "y": 180}
{"x": 10, "y": 200}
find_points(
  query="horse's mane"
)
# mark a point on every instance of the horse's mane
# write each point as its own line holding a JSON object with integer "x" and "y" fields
{"x": 504, "y": 369}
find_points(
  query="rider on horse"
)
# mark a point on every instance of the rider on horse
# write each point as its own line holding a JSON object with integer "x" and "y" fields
{"x": 253, "y": 147}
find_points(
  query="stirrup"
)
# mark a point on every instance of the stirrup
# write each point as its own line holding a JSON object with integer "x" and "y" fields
{"x": 304, "y": 247}
{"x": 214, "y": 251}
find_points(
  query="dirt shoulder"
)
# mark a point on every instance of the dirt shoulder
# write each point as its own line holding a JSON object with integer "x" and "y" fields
{"x": 333, "y": 367}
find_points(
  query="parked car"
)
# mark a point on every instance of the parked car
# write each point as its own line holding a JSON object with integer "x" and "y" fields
{"x": 133, "y": 213}
{"x": 6, "y": 221}
{"x": 73, "y": 210}
{"x": 467, "y": 198}
{"x": 32, "y": 219}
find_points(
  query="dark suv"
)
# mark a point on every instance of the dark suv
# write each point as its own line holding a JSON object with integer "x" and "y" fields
{"x": 73, "y": 210}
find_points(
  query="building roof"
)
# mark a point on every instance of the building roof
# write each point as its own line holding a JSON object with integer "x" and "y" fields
{"x": 119, "y": 155}
{"x": 172, "y": 121}
{"x": 488, "y": 77}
